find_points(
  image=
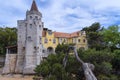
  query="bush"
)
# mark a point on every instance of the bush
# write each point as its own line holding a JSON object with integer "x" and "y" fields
{"x": 43, "y": 69}
{"x": 52, "y": 68}
{"x": 103, "y": 77}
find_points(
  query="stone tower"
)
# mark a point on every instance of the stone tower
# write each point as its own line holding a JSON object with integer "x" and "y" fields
{"x": 29, "y": 41}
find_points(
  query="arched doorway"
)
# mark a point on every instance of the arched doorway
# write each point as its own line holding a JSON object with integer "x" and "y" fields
{"x": 50, "y": 50}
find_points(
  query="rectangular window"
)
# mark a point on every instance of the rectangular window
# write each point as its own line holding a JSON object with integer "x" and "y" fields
{"x": 79, "y": 40}
{"x": 30, "y": 25}
{"x": 43, "y": 51}
{"x": 54, "y": 41}
{"x": 40, "y": 40}
{"x": 46, "y": 40}
{"x": 29, "y": 38}
{"x": 39, "y": 26}
{"x": 84, "y": 40}
{"x": 30, "y": 17}
{"x": 36, "y": 17}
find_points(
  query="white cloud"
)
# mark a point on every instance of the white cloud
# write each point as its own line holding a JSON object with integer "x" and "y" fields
{"x": 64, "y": 15}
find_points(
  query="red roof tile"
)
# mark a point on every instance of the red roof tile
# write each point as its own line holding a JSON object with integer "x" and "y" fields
{"x": 62, "y": 35}
{"x": 66, "y": 35}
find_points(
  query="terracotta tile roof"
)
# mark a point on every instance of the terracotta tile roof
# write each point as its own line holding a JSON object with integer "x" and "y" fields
{"x": 74, "y": 34}
{"x": 66, "y": 35}
{"x": 62, "y": 35}
{"x": 34, "y": 6}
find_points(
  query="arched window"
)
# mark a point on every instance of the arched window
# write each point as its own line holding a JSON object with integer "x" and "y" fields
{"x": 84, "y": 40}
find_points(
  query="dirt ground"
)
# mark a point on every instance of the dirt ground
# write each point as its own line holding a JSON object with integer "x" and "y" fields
{"x": 16, "y": 77}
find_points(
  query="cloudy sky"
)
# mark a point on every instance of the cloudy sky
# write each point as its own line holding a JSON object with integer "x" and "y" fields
{"x": 63, "y": 15}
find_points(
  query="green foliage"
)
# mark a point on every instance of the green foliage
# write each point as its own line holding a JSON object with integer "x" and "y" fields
{"x": 103, "y": 77}
{"x": 95, "y": 39}
{"x": 105, "y": 63}
{"x": 43, "y": 69}
{"x": 105, "y": 60}
{"x": 61, "y": 48}
{"x": 111, "y": 77}
{"x": 103, "y": 68}
{"x": 8, "y": 37}
{"x": 93, "y": 56}
{"x": 52, "y": 59}
{"x": 116, "y": 61}
{"x": 72, "y": 65}
{"x": 111, "y": 36}
{"x": 52, "y": 77}
{"x": 52, "y": 68}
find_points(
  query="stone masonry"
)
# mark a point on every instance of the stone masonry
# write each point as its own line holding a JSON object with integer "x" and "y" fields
{"x": 29, "y": 53}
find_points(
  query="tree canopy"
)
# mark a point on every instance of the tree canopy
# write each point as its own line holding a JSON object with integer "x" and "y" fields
{"x": 95, "y": 39}
{"x": 104, "y": 60}
{"x": 8, "y": 37}
{"x": 112, "y": 36}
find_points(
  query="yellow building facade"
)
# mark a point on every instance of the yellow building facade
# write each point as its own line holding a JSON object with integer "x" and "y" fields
{"x": 51, "y": 39}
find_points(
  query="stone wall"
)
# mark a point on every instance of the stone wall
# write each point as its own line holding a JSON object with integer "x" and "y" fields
{"x": 2, "y": 61}
{"x": 10, "y": 63}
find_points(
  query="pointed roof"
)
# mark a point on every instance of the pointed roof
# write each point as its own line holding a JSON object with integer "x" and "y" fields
{"x": 34, "y": 6}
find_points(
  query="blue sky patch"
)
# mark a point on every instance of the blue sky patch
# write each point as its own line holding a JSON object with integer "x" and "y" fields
{"x": 63, "y": 15}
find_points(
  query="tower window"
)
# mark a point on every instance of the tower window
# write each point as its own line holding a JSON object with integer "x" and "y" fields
{"x": 36, "y": 17}
{"x": 40, "y": 26}
{"x": 30, "y": 17}
{"x": 43, "y": 51}
{"x": 29, "y": 38}
{"x": 30, "y": 25}
{"x": 40, "y": 40}
{"x": 19, "y": 36}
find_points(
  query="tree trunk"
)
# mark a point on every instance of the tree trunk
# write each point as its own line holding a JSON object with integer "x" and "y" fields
{"x": 87, "y": 67}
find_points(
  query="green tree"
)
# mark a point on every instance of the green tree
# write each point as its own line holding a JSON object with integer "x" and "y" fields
{"x": 52, "y": 68}
{"x": 116, "y": 61}
{"x": 62, "y": 48}
{"x": 95, "y": 39}
{"x": 8, "y": 37}
{"x": 112, "y": 36}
